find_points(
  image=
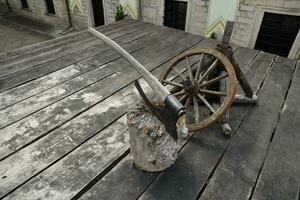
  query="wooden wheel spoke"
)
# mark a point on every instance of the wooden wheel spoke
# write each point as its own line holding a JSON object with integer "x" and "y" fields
{"x": 171, "y": 78}
{"x": 218, "y": 93}
{"x": 209, "y": 68}
{"x": 188, "y": 64}
{"x": 196, "y": 109}
{"x": 183, "y": 97}
{"x": 179, "y": 93}
{"x": 179, "y": 74}
{"x": 173, "y": 83}
{"x": 197, "y": 76}
{"x": 187, "y": 103}
{"x": 214, "y": 80}
{"x": 206, "y": 103}
{"x": 208, "y": 71}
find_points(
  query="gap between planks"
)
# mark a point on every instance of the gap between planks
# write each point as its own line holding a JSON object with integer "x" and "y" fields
{"x": 16, "y": 95}
{"x": 280, "y": 112}
{"x": 181, "y": 50}
{"x": 242, "y": 190}
{"x": 53, "y": 43}
{"x": 97, "y": 177}
{"x": 61, "y": 52}
{"x": 20, "y": 126}
{"x": 28, "y": 75}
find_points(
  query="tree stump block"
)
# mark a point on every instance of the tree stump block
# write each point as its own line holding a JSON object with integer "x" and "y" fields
{"x": 151, "y": 147}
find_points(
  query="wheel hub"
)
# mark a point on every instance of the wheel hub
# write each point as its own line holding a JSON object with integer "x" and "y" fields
{"x": 191, "y": 87}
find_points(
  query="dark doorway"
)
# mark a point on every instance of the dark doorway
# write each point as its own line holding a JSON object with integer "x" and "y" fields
{"x": 277, "y": 33}
{"x": 24, "y": 4}
{"x": 50, "y": 7}
{"x": 98, "y": 12}
{"x": 175, "y": 14}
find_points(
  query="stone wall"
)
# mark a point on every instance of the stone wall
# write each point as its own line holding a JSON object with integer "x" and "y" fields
{"x": 244, "y": 19}
{"x": 198, "y": 18}
{"x": 37, "y": 10}
{"x": 3, "y": 7}
{"x": 245, "y": 16}
{"x": 79, "y": 16}
{"x": 110, "y": 7}
{"x": 153, "y": 12}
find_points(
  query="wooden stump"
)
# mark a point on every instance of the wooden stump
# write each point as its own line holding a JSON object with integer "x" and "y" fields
{"x": 151, "y": 147}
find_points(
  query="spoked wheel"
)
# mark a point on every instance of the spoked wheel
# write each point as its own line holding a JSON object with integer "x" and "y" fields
{"x": 194, "y": 78}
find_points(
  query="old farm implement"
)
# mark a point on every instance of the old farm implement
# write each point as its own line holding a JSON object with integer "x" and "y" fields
{"x": 198, "y": 85}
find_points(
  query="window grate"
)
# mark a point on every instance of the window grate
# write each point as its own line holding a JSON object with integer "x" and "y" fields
{"x": 175, "y": 14}
{"x": 24, "y": 4}
{"x": 277, "y": 33}
{"x": 50, "y": 6}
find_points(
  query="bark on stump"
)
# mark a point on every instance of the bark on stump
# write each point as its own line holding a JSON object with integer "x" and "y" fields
{"x": 152, "y": 148}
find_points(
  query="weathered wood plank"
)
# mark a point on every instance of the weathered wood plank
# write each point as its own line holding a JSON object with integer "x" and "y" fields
{"x": 143, "y": 38}
{"x": 36, "y": 49}
{"x": 31, "y": 58}
{"x": 89, "y": 148}
{"x": 42, "y": 46}
{"x": 24, "y": 131}
{"x": 77, "y": 175}
{"x": 27, "y": 75}
{"x": 131, "y": 182}
{"x": 130, "y": 42}
{"x": 62, "y": 51}
{"x": 280, "y": 176}
{"x": 109, "y": 147}
{"x": 236, "y": 174}
{"x": 123, "y": 182}
{"x": 96, "y": 118}
{"x": 244, "y": 56}
{"x": 207, "y": 150}
{"x": 101, "y": 190}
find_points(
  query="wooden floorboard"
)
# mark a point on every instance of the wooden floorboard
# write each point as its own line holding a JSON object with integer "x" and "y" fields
{"x": 36, "y": 49}
{"x": 16, "y": 112}
{"x": 54, "y": 115}
{"x": 201, "y": 154}
{"x": 66, "y": 50}
{"x": 30, "y": 74}
{"x": 43, "y": 55}
{"x": 280, "y": 175}
{"x": 63, "y": 131}
{"x": 58, "y": 138}
{"x": 236, "y": 174}
{"x": 135, "y": 181}
{"x": 63, "y": 49}
{"x": 132, "y": 42}
{"x": 55, "y": 41}
{"x": 244, "y": 56}
{"x": 108, "y": 142}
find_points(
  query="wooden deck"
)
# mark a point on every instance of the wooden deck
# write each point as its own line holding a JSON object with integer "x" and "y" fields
{"x": 63, "y": 131}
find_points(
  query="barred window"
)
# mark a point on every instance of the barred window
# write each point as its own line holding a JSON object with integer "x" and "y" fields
{"x": 50, "y": 6}
{"x": 24, "y": 4}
